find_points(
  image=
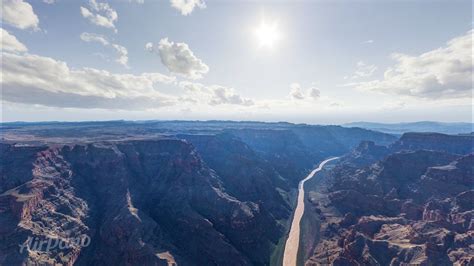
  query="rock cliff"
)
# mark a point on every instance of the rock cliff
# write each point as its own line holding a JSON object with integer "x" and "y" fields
{"x": 410, "y": 203}
{"x": 136, "y": 200}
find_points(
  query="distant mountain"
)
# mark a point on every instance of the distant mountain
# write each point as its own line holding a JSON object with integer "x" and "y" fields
{"x": 422, "y": 126}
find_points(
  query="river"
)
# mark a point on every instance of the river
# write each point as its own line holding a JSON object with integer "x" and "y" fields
{"x": 292, "y": 243}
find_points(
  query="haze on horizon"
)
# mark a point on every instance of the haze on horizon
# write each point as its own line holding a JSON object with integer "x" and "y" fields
{"x": 324, "y": 62}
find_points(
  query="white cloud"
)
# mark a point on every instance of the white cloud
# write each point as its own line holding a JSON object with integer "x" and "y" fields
{"x": 33, "y": 79}
{"x": 49, "y": 1}
{"x": 186, "y": 7}
{"x": 212, "y": 95}
{"x": 368, "y": 42}
{"x": 297, "y": 93}
{"x": 179, "y": 59}
{"x": 100, "y": 14}
{"x": 314, "y": 93}
{"x": 92, "y": 37}
{"x": 120, "y": 50}
{"x": 10, "y": 43}
{"x": 122, "y": 54}
{"x": 363, "y": 70}
{"x": 224, "y": 95}
{"x": 19, "y": 14}
{"x": 149, "y": 47}
{"x": 442, "y": 73}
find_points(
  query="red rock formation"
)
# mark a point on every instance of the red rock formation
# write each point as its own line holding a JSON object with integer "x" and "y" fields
{"x": 409, "y": 208}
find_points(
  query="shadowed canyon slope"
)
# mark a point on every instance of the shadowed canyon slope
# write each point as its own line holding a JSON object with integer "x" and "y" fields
{"x": 222, "y": 193}
{"x": 194, "y": 193}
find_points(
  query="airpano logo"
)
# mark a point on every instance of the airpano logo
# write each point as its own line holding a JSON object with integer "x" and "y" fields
{"x": 49, "y": 243}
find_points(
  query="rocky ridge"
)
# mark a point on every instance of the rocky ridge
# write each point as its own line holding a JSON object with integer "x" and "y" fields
{"x": 401, "y": 205}
{"x": 136, "y": 200}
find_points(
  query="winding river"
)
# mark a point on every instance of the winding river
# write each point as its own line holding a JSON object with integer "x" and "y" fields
{"x": 292, "y": 243}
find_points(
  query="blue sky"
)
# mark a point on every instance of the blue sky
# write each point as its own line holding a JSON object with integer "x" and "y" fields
{"x": 330, "y": 63}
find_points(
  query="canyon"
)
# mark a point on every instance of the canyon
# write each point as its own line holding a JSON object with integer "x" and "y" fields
{"x": 408, "y": 203}
{"x": 223, "y": 193}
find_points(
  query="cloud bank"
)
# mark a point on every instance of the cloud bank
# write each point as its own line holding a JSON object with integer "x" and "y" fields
{"x": 443, "y": 73}
{"x": 19, "y": 14}
{"x": 34, "y": 79}
{"x": 10, "y": 43}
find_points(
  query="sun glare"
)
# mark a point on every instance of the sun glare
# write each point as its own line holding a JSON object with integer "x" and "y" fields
{"x": 267, "y": 34}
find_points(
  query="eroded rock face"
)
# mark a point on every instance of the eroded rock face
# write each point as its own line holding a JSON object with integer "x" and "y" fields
{"x": 407, "y": 207}
{"x": 244, "y": 174}
{"x": 45, "y": 206}
{"x": 157, "y": 192}
{"x": 140, "y": 202}
{"x": 283, "y": 149}
{"x": 365, "y": 154}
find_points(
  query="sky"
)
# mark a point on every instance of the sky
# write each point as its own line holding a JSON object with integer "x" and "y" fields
{"x": 317, "y": 62}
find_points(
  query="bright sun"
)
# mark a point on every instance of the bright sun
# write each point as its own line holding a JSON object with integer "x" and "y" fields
{"x": 267, "y": 34}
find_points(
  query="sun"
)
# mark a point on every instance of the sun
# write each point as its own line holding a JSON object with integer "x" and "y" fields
{"x": 267, "y": 34}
